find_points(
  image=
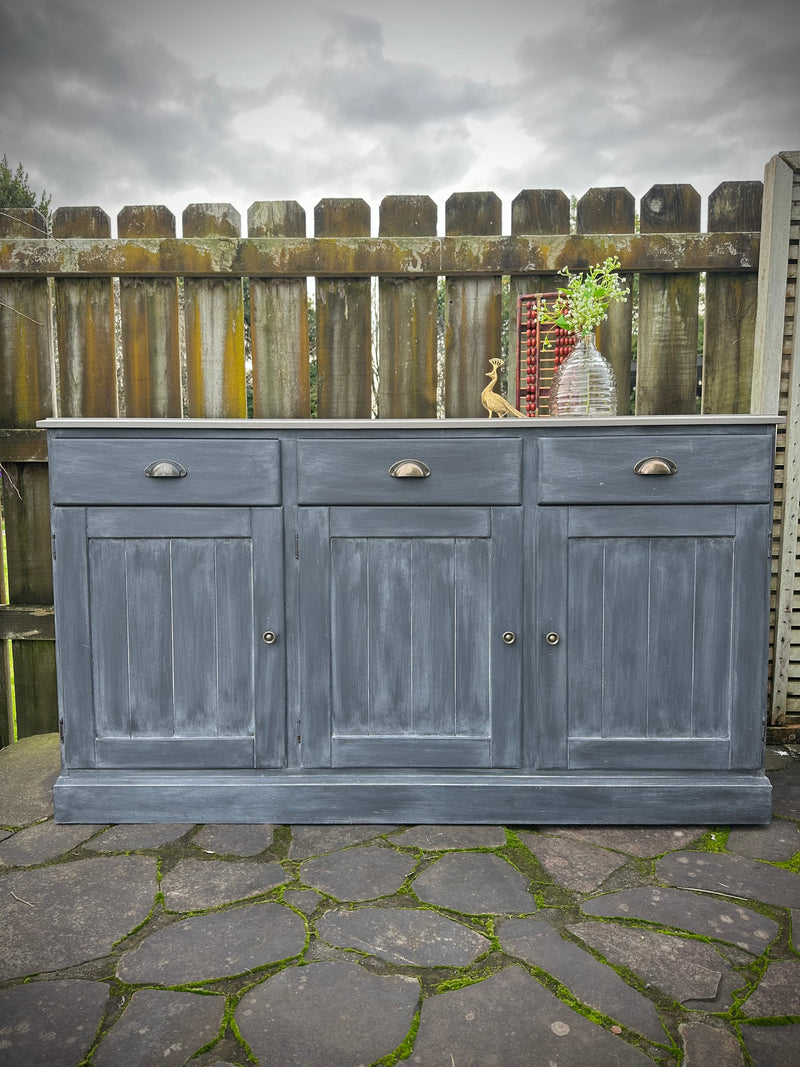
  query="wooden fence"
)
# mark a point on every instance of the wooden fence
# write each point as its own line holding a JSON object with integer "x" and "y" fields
{"x": 144, "y": 348}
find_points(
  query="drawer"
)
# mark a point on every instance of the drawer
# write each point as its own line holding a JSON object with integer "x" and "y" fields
{"x": 243, "y": 471}
{"x": 712, "y": 468}
{"x": 462, "y": 471}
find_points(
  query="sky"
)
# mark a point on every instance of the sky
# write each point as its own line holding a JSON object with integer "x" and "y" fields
{"x": 115, "y": 102}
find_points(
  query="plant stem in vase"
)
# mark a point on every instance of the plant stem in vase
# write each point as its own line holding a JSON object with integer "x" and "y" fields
{"x": 584, "y": 384}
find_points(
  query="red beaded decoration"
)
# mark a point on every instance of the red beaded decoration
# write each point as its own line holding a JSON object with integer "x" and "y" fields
{"x": 541, "y": 349}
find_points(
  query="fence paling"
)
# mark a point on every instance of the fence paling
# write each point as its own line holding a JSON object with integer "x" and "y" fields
{"x": 150, "y": 328}
{"x": 279, "y": 322}
{"x": 731, "y": 301}
{"x": 613, "y": 210}
{"x": 473, "y": 309}
{"x": 344, "y": 320}
{"x": 533, "y": 211}
{"x": 214, "y": 314}
{"x": 85, "y": 325}
{"x": 666, "y": 373}
{"x": 278, "y": 258}
{"x": 407, "y": 320}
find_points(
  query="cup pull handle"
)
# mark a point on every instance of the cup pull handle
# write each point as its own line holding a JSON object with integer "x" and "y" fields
{"x": 165, "y": 468}
{"x": 655, "y": 465}
{"x": 409, "y": 468}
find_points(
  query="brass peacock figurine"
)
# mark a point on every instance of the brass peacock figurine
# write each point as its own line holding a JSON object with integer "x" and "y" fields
{"x": 492, "y": 401}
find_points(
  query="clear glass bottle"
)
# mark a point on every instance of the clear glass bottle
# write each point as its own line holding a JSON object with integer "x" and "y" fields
{"x": 585, "y": 383}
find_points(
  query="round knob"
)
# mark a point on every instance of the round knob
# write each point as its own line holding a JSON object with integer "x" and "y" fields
{"x": 269, "y": 638}
{"x": 509, "y": 637}
{"x": 552, "y": 638}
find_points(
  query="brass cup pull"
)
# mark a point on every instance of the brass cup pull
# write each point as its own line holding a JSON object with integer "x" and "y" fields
{"x": 409, "y": 468}
{"x": 552, "y": 638}
{"x": 509, "y": 637}
{"x": 655, "y": 465}
{"x": 165, "y": 468}
{"x": 269, "y": 638}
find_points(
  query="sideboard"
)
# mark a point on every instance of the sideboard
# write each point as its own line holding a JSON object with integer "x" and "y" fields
{"x": 527, "y": 621}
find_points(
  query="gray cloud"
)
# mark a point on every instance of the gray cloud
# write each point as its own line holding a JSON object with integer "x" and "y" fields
{"x": 354, "y": 83}
{"x": 81, "y": 101}
{"x": 631, "y": 93}
{"x": 670, "y": 90}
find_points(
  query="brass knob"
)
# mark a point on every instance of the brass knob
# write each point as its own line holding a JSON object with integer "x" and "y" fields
{"x": 509, "y": 637}
{"x": 655, "y": 465}
{"x": 552, "y": 638}
{"x": 409, "y": 468}
{"x": 269, "y": 638}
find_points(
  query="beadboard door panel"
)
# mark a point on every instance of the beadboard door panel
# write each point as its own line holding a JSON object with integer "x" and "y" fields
{"x": 415, "y": 670}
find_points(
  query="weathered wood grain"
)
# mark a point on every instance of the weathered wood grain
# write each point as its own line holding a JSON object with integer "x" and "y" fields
{"x": 150, "y": 331}
{"x": 666, "y": 373}
{"x": 407, "y": 309}
{"x": 730, "y": 307}
{"x": 27, "y": 393}
{"x": 533, "y": 211}
{"x": 279, "y": 321}
{"x": 214, "y": 315}
{"x": 473, "y": 310}
{"x": 26, "y": 623}
{"x": 773, "y": 269}
{"x": 362, "y": 256}
{"x": 85, "y": 324}
{"x": 613, "y": 210}
{"x": 344, "y": 319}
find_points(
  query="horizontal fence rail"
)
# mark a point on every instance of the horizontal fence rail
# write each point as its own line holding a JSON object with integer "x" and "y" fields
{"x": 401, "y": 323}
{"x": 377, "y": 256}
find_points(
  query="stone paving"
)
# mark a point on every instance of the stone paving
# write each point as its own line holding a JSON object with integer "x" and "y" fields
{"x": 437, "y": 946}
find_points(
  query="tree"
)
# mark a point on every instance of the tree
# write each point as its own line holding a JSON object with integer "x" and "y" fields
{"x": 15, "y": 190}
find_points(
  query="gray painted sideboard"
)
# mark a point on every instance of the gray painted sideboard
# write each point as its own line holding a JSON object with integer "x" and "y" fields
{"x": 539, "y": 621}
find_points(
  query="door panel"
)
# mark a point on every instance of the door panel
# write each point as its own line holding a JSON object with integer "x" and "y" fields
{"x": 178, "y": 666}
{"x": 417, "y": 671}
{"x": 648, "y": 618}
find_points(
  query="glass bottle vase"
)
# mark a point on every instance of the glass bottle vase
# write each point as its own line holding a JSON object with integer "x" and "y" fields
{"x": 585, "y": 383}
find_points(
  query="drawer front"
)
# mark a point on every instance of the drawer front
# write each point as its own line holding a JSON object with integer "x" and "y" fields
{"x": 112, "y": 471}
{"x": 714, "y": 468}
{"x": 462, "y": 471}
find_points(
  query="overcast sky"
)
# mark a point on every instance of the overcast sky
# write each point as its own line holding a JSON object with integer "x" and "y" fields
{"x": 115, "y": 102}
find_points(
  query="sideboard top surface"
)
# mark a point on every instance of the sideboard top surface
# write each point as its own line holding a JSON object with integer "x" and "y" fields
{"x": 502, "y": 426}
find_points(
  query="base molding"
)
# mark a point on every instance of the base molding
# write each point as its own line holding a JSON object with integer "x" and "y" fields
{"x": 333, "y": 797}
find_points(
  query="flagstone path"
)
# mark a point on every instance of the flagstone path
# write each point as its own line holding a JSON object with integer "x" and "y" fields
{"x": 436, "y": 946}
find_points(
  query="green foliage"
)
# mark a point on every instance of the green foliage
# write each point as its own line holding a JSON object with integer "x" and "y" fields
{"x": 15, "y": 190}
{"x": 582, "y": 304}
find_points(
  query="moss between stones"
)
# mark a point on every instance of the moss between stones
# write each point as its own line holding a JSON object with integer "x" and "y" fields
{"x": 547, "y": 893}
{"x": 404, "y": 1050}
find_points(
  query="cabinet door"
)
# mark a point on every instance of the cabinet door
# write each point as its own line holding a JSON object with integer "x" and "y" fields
{"x": 402, "y": 657}
{"x": 177, "y": 601}
{"x": 661, "y": 615}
